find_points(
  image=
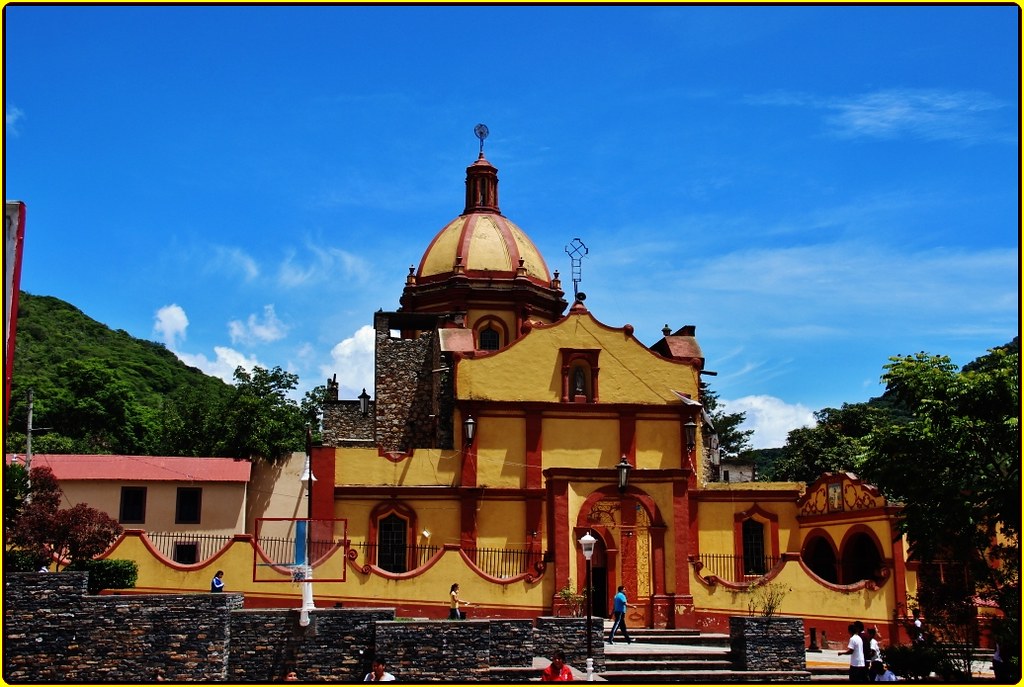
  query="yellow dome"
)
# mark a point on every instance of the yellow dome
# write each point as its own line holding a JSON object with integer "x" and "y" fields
{"x": 482, "y": 244}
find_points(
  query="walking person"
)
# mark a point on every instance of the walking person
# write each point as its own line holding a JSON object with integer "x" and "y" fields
{"x": 455, "y": 612}
{"x": 619, "y": 612}
{"x": 873, "y": 657}
{"x": 855, "y": 648}
{"x": 217, "y": 583}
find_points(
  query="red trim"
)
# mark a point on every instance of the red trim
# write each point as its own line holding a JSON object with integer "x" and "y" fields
{"x": 534, "y": 449}
{"x": 627, "y": 437}
{"x": 15, "y": 289}
{"x": 323, "y": 466}
{"x": 403, "y": 511}
{"x": 469, "y": 504}
{"x": 684, "y": 529}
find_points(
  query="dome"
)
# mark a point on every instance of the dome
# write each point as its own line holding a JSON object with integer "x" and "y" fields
{"x": 482, "y": 244}
{"x": 481, "y": 260}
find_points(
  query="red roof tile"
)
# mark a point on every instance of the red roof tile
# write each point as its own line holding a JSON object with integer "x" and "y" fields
{"x": 141, "y": 468}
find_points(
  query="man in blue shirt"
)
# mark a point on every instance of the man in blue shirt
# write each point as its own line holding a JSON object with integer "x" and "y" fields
{"x": 619, "y": 613}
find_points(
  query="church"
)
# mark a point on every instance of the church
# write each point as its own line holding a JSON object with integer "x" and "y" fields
{"x": 507, "y": 423}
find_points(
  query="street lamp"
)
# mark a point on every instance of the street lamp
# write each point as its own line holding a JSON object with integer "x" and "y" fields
{"x": 587, "y": 541}
{"x": 306, "y": 534}
{"x": 691, "y": 435}
{"x": 624, "y": 469}
{"x": 364, "y": 402}
{"x": 469, "y": 429}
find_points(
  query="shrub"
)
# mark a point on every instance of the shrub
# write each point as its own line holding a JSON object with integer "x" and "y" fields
{"x": 20, "y": 560}
{"x": 108, "y": 573}
{"x": 912, "y": 661}
{"x": 573, "y": 600}
{"x": 766, "y": 598}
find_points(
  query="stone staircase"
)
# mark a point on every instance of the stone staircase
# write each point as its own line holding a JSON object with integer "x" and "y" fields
{"x": 682, "y": 657}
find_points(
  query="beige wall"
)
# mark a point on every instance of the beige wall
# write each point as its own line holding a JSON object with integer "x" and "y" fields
{"x": 276, "y": 491}
{"x": 223, "y": 504}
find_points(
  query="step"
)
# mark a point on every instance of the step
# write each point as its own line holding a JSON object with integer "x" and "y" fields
{"x": 705, "y": 676}
{"x": 651, "y": 664}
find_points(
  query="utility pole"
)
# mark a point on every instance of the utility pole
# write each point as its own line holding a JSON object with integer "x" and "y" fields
{"x": 28, "y": 435}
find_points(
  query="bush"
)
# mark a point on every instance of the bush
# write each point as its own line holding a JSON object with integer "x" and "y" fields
{"x": 108, "y": 573}
{"x": 20, "y": 560}
{"x": 912, "y": 661}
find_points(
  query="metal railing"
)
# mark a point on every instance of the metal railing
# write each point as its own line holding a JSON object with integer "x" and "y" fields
{"x": 188, "y": 547}
{"x": 732, "y": 568}
{"x": 496, "y": 562}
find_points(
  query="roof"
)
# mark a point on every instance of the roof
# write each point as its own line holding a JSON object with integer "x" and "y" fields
{"x": 140, "y": 468}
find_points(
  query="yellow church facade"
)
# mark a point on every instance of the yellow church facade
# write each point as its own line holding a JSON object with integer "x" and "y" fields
{"x": 506, "y": 423}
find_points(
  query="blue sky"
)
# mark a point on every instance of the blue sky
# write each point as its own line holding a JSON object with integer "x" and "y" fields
{"x": 815, "y": 188}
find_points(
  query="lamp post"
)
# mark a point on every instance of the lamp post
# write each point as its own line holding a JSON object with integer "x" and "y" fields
{"x": 587, "y": 541}
{"x": 624, "y": 469}
{"x": 307, "y": 568}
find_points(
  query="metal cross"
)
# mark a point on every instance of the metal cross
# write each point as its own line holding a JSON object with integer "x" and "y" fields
{"x": 577, "y": 250}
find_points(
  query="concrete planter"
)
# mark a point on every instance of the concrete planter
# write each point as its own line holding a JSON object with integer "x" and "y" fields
{"x": 767, "y": 643}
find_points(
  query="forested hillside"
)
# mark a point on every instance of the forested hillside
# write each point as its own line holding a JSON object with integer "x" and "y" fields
{"x": 97, "y": 390}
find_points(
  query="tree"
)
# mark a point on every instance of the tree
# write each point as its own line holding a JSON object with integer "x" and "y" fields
{"x": 15, "y": 490}
{"x": 312, "y": 407}
{"x": 732, "y": 441}
{"x": 954, "y": 462}
{"x": 260, "y": 420}
{"x": 43, "y": 529}
{"x": 836, "y": 443}
{"x": 97, "y": 409}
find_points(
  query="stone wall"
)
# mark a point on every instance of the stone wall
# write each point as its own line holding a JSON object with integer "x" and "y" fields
{"x": 409, "y": 393}
{"x": 570, "y": 635}
{"x": 336, "y": 646}
{"x": 53, "y": 632}
{"x": 767, "y": 643}
{"x": 345, "y": 425}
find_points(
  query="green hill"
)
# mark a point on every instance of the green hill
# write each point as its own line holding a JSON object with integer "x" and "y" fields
{"x": 100, "y": 390}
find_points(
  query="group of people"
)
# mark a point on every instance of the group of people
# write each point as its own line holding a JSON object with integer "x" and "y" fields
{"x": 865, "y": 653}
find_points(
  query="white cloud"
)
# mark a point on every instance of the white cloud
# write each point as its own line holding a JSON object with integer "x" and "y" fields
{"x": 929, "y": 114}
{"x": 231, "y": 259}
{"x": 12, "y": 116}
{"x": 771, "y": 418}
{"x": 352, "y": 361}
{"x": 325, "y": 264}
{"x": 224, "y": 365}
{"x": 171, "y": 323}
{"x": 254, "y": 330}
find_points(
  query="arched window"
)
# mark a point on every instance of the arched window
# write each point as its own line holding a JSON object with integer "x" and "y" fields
{"x": 861, "y": 559}
{"x": 392, "y": 544}
{"x": 754, "y": 562}
{"x": 821, "y": 559}
{"x": 490, "y": 339}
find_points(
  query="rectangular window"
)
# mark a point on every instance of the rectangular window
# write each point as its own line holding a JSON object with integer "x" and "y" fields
{"x": 186, "y": 553}
{"x": 133, "y": 505}
{"x": 753, "y": 548}
{"x": 189, "y": 507}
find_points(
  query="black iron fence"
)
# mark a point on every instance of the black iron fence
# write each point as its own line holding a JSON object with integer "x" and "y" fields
{"x": 188, "y": 547}
{"x": 732, "y": 568}
{"x": 496, "y": 562}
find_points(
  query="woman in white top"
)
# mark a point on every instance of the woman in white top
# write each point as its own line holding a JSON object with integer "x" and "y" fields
{"x": 454, "y": 613}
